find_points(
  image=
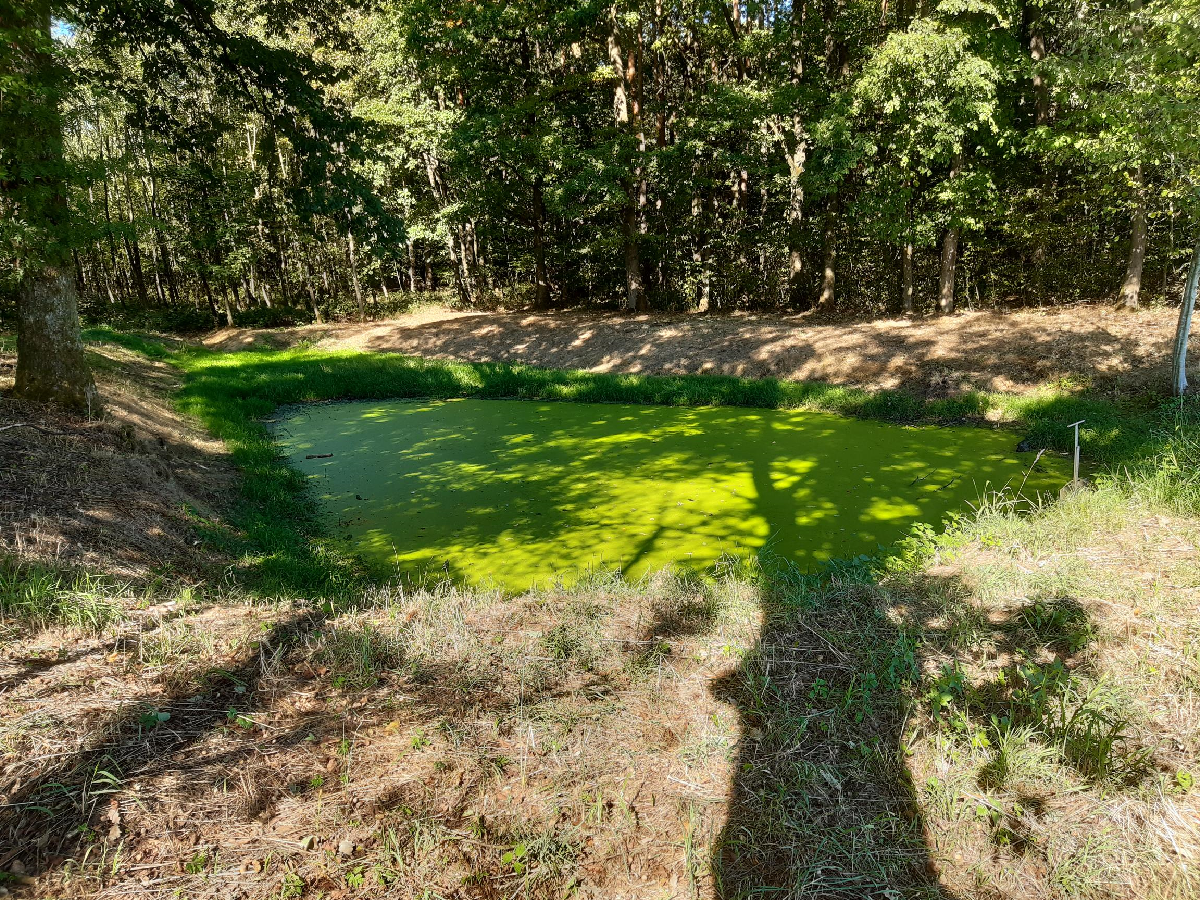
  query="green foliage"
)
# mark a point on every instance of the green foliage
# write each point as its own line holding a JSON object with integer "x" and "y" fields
{"x": 225, "y": 165}
{"x": 1170, "y": 476}
{"x": 41, "y": 597}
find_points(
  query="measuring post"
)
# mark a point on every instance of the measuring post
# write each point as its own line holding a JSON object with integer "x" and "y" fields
{"x": 1076, "y": 425}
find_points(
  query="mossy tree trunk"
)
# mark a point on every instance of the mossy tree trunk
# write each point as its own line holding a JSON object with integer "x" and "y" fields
{"x": 51, "y": 364}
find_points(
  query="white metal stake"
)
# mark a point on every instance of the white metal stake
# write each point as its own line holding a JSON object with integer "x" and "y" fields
{"x": 1076, "y": 425}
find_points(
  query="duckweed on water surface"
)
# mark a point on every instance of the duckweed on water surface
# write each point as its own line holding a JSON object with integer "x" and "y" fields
{"x": 520, "y": 493}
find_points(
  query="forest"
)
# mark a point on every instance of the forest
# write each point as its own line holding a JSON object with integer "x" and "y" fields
{"x": 271, "y": 163}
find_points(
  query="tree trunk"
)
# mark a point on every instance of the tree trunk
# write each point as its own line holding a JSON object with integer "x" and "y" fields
{"x": 358, "y": 294}
{"x": 112, "y": 246}
{"x": 626, "y": 116}
{"x": 699, "y": 255}
{"x": 634, "y": 295}
{"x": 1041, "y": 106}
{"x": 51, "y": 364}
{"x": 312, "y": 291}
{"x": 464, "y": 296}
{"x": 468, "y": 266}
{"x": 1131, "y": 288}
{"x": 158, "y": 281}
{"x": 946, "y": 278}
{"x": 1179, "y": 382}
{"x": 541, "y": 296}
{"x": 1041, "y": 88}
{"x": 208, "y": 294}
{"x": 704, "y": 283}
{"x": 828, "y": 296}
{"x": 906, "y": 283}
{"x": 133, "y": 250}
{"x": 796, "y": 162}
{"x": 134, "y": 254}
{"x": 228, "y": 306}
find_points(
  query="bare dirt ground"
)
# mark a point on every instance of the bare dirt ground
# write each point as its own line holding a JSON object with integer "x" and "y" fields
{"x": 1003, "y": 351}
{"x": 119, "y": 494}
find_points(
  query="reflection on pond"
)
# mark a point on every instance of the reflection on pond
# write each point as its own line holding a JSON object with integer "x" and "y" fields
{"x": 520, "y": 493}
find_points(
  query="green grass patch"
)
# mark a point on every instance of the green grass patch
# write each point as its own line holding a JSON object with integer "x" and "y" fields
{"x": 256, "y": 381}
{"x": 40, "y": 597}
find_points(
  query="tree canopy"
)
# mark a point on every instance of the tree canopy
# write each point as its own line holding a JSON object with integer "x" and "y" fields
{"x": 276, "y": 160}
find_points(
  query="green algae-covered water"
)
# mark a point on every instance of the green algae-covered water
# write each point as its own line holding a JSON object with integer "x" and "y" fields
{"x": 517, "y": 493}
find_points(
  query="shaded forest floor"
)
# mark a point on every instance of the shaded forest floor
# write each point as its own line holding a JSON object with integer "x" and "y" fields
{"x": 1091, "y": 346}
{"x": 1009, "y": 711}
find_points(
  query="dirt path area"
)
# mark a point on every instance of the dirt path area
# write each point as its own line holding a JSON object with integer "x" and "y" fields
{"x": 1005, "y": 351}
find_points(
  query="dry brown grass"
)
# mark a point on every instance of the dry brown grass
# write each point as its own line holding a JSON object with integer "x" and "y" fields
{"x": 1106, "y": 590}
{"x": 427, "y": 734}
{"x": 120, "y": 494}
{"x": 1017, "y": 351}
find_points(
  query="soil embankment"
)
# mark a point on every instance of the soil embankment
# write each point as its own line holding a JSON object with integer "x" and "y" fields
{"x": 1114, "y": 352}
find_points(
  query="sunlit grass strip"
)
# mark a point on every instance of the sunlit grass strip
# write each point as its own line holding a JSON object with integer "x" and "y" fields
{"x": 297, "y": 376}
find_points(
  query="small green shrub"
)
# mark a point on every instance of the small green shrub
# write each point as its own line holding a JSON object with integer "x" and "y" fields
{"x": 40, "y": 597}
{"x": 356, "y": 653}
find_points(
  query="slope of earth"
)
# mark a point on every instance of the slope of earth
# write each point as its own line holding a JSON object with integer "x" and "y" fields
{"x": 119, "y": 494}
{"x": 1114, "y": 352}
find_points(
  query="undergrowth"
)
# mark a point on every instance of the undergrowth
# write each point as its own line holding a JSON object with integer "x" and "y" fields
{"x": 42, "y": 597}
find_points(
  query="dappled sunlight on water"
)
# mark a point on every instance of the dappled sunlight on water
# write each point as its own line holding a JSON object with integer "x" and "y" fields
{"x": 519, "y": 493}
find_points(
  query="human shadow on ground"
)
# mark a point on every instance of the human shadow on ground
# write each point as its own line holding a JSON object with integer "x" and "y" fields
{"x": 823, "y": 801}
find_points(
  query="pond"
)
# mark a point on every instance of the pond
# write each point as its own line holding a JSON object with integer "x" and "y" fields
{"x": 515, "y": 493}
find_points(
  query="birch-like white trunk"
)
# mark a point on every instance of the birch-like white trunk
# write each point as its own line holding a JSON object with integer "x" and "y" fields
{"x": 1179, "y": 382}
